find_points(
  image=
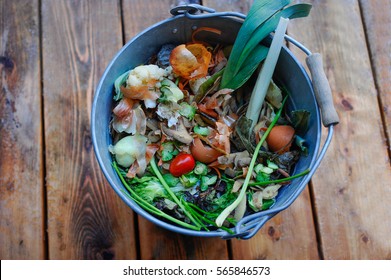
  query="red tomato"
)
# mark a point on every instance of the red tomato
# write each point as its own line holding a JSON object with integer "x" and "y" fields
{"x": 182, "y": 164}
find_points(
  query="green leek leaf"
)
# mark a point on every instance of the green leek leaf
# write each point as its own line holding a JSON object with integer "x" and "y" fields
{"x": 259, "y": 12}
{"x": 261, "y": 20}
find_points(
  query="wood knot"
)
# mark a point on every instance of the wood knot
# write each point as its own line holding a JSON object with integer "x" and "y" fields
{"x": 347, "y": 105}
{"x": 108, "y": 255}
{"x": 7, "y": 63}
{"x": 10, "y": 187}
{"x": 364, "y": 238}
{"x": 87, "y": 142}
{"x": 273, "y": 233}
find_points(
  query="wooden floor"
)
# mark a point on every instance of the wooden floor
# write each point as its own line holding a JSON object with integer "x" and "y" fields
{"x": 56, "y": 204}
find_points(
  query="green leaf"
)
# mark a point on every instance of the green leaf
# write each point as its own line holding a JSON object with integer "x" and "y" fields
{"x": 148, "y": 206}
{"x": 118, "y": 83}
{"x": 300, "y": 142}
{"x": 171, "y": 180}
{"x": 169, "y": 151}
{"x": 251, "y": 64}
{"x": 187, "y": 110}
{"x": 300, "y": 121}
{"x": 207, "y": 181}
{"x": 200, "y": 169}
{"x": 262, "y": 177}
{"x": 243, "y": 131}
{"x": 207, "y": 85}
{"x": 201, "y": 130}
{"x": 189, "y": 180}
{"x": 295, "y": 11}
{"x": 170, "y": 92}
{"x": 267, "y": 203}
{"x": 261, "y": 20}
{"x": 151, "y": 191}
{"x": 259, "y": 12}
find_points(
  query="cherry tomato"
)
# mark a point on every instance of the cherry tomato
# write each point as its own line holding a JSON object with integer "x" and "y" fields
{"x": 183, "y": 163}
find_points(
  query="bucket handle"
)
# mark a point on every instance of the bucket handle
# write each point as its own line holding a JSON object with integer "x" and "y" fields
{"x": 195, "y": 11}
{"x": 320, "y": 84}
{"x": 248, "y": 226}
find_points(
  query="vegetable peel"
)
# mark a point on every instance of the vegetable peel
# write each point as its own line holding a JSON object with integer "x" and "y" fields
{"x": 190, "y": 61}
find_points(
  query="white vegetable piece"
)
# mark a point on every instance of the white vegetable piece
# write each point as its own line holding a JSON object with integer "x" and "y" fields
{"x": 128, "y": 149}
{"x": 265, "y": 76}
{"x": 143, "y": 73}
{"x": 271, "y": 191}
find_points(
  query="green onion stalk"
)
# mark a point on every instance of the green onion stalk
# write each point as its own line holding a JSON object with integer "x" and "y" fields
{"x": 223, "y": 215}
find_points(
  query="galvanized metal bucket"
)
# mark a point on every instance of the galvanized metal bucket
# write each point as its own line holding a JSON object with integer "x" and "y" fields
{"x": 289, "y": 72}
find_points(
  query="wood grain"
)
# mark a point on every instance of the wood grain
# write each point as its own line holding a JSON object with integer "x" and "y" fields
{"x": 139, "y": 14}
{"x": 158, "y": 243}
{"x": 241, "y": 6}
{"x": 86, "y": 219}
{"x": 377, "y": 20}
{"x": 351, "y": 186}
{"x": 22, "y": 232}
{"x": 290, "y": 234}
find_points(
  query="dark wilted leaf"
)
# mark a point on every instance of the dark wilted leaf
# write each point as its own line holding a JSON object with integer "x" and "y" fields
{"x": 300, "y": 121}
{"x": 243, "y": 131}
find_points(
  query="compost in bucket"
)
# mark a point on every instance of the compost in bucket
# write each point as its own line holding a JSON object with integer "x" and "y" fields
{"x": 182, "y": 149}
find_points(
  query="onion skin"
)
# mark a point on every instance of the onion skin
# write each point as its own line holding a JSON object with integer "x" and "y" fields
{"x": 280, "y": 138}
{"x": 203, "y": 153}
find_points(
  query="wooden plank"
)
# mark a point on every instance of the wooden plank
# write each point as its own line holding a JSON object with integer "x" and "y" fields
{"x": 139, "y": 15}
{"x": 163, "y": 244}
{"x": 290, "y": 234}
{"x": 22, "y": 233}
{"x": 377, "y": 20}
{"x": 351, "y": 187}
{"x": 86, "y": 219}
{"x": 156, "y": 243}
{"x": 241, "y": 6}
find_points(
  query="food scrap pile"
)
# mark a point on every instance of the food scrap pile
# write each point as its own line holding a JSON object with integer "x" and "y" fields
{"x": 182, "y": 144}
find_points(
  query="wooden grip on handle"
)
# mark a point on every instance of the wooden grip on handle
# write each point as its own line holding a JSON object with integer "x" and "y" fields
{"x": 322, "y": 90}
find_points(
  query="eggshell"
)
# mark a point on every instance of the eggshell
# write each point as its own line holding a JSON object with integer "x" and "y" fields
{"x": 203, "y": 153}
{"x": 280, "y": 138}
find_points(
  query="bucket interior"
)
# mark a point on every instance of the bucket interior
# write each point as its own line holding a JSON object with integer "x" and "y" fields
{"x": 289, "y": 73}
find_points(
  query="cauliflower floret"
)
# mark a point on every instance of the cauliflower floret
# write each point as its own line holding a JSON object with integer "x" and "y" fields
{"x": 143, "y": 84}
{"x": 141, "y": 75}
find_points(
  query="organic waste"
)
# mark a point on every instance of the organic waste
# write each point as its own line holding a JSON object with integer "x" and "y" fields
{"x": 201, "y": 139}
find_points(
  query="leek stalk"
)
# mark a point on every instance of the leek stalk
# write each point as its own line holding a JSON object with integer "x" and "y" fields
{"x": 265, "y": 76}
